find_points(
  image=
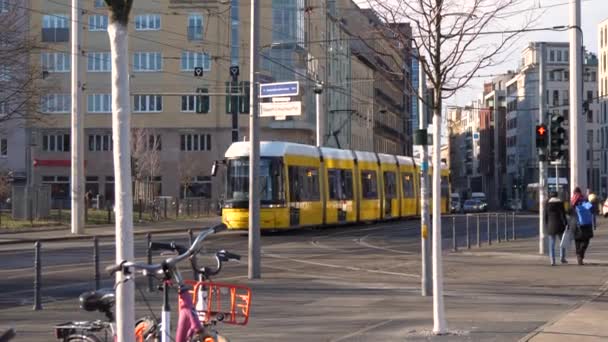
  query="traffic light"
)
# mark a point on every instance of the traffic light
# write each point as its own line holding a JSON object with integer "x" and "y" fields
{"x": 541, "y": 136}
{"x": 244, "y": 99}
{"x": 557, "y": 150}
{"x": 202, "y": 101}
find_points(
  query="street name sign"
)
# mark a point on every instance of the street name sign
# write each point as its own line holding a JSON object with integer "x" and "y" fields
{"x": 279, "y": 89}
{"x": 280, "y": 109}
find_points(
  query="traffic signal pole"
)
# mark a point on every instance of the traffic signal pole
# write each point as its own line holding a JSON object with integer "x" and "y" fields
{"x": 578, "y": 177}
{"x": 542, "y": 164}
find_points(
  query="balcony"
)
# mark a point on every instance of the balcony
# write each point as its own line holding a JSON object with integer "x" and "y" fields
{"x": 195, "y": 33}
{"x": 55, "y": 35}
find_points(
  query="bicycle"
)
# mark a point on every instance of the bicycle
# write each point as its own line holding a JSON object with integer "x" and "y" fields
{"x": 88, "y": 331}
{"x": 196, "y": 323}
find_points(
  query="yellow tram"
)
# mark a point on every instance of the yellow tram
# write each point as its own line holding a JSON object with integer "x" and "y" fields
{"x": 304, "y": 186}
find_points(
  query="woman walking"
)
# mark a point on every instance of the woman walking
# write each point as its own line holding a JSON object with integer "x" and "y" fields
{"x": 556, "y": 219}
{"x": 582, "y": 221}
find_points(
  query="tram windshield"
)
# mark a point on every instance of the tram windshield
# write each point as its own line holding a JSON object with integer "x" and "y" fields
{"x": 271, "y": 181}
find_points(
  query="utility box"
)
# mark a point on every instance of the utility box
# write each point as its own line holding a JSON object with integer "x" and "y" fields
{"x": 421, "y": 137}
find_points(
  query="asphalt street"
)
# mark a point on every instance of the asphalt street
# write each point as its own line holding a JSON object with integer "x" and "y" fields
{"x": 67, "y": 267}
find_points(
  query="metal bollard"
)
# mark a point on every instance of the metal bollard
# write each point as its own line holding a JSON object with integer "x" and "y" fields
{"x": 506, "y": 235}
{"x": 96, "y": 261}
{"x": 109, "y": 215}
{"x": 37, "y": 277}
{"x": 478, "y": 233}
{"x": 489, "y": 232}
{"x": 149, "y": 256}
{"x": 468, "y": 234}
{"x": 454, "y": 244}
{"x": 497, "y": 230}
{"x": 513, "y": 227}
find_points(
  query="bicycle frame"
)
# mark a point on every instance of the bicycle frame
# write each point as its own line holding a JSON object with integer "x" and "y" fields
{"x": 188, "y": 323}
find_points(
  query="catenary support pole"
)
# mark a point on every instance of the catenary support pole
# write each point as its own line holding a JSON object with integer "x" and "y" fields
{"x": 320, "y": 120}
{"x": 542, "y": 165}
{"x": 489, "y": 231}
{"x": 578, "y": 143}
{"x": 77, "y": 125}
{"x": 425, "y": 218}
{"x": 255, "y": 262}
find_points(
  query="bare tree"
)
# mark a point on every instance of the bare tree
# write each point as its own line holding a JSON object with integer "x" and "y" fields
{"x": 19, "y": 75}
{"x": 121, "y": 132}
{"x": 145, "y": 152}
{"x": 187, "y": 170}
{"x": 449, "y": 35}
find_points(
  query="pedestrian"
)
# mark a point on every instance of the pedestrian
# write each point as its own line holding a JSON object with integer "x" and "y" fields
{"x": 556, "y": 219}
{"x": 595, "y": 209}
{"x": 582, "y": 222}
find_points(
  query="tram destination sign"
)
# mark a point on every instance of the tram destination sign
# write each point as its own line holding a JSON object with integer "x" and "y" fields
{"x": 279, "y": 89}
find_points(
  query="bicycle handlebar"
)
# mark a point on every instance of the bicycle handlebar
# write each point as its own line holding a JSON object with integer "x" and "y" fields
{"x": 171, "y": 262}
{"x": 171, "y": 246}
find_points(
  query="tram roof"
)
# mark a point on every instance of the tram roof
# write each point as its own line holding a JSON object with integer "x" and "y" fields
{"x": 271, "y": 149}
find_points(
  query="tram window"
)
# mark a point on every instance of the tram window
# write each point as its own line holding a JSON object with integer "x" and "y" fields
{"x": 445, "y": 186}
{"x": 369, "y": 185}
{"x": 304, "y": 184}
{"x": 408, "y": 184}
{"x": 340, "y": 184}
{"x": 390, "y": 185}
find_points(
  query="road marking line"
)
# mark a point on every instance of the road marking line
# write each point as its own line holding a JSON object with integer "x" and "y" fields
{"x": 359, "y": 332}
{"x": 351, "y": 268}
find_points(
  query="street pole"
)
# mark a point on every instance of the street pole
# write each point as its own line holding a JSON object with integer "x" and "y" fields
{"x": 496, "y": 154}
{"x": 577, "y": 121}
{"x": 255, "y": 264}
{"x": 318, "y": 91}
{"x": 234, "y": 102}
{"x": 425, "y": 243}
{"x": 542, "y": 172}
{"x": 77, "y": 127}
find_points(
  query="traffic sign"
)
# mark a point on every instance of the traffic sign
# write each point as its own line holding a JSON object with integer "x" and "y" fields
{"x": 280, "y": 109}
{"x": 234, "y": 70}
{"x": 198, "y": 71}
{"x": 280, "y": 89}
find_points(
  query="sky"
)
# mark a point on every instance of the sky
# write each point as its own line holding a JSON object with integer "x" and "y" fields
{"x": 593, "y": 12}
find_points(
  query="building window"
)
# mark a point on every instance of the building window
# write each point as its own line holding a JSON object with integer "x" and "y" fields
{"x": 147, "y": 22}
{"x": 590, "y": 116}
{"x": 3, "y": 147}
{"x": 552, "y": 56}
{"x": 369, "y": 184}
{"x": 100, "y": 142}
{"x": 56, "y": 142}
{"x": 303, "y": 184}
{"x": 195, "y": 27}
{"x": 99, "y": 4}
{"x": 4, "y": 6}
{"x": 98, "y": 22}
{"x": 195, "y": 142}
{"x": 55, "y": 21}
{"x": 147, "y": 61}
{"x": 99, "y": 103}
{"x": 5, "y": 73}
{"x": 199, "y": 186}
{"x": 98, "y": 62}
{"x": 559, "y": 55}
{"x": 146, "y": 142}
{"x": 190, "y": 60}
{"x": 199, "y": 104}
{"x": 148, "y": 103}
{"x": 55, "y": 61}
{"x": 55, "y": 103}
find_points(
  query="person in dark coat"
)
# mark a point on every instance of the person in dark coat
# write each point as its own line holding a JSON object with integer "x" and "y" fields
{"x": 556, "y": 221}
{"x": 582, "y": 232}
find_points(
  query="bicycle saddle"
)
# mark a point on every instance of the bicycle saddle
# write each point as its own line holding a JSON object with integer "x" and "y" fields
{"x": 102, "y": 300}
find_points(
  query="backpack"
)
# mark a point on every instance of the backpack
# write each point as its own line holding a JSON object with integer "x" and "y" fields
{"x": 583, "y": 213}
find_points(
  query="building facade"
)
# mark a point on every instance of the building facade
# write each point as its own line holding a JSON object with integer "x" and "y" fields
{"x": 184, "y": 133}
{"x": 602, "y": 101}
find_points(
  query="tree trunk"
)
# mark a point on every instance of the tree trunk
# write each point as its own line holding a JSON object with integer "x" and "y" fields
{"x": 121, "y": 128}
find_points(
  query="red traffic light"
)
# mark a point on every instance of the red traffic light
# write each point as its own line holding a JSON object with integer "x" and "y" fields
{"x": 541, "y": 130}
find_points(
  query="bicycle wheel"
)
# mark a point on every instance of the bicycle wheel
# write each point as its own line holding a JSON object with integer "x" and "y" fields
{"x": 82, "y": 338}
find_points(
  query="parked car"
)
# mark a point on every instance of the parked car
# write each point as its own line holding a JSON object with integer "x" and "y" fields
{"x": 455, "y": 206}
{"x": 474, "y": 206}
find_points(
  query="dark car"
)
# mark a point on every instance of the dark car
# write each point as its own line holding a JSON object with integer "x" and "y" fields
{"x": 474, "y": 206}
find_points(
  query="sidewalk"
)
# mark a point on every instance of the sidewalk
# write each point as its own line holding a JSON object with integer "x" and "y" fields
{"x": 63, "y": 233}
{"x": 336, "y": 287}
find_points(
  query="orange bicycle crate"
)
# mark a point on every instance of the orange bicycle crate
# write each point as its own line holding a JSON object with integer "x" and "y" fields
{"x": 228, "y": 300}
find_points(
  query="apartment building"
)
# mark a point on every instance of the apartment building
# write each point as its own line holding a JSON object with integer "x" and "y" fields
{"x": 602, "y": 101}
{"x": 185, "y": 133}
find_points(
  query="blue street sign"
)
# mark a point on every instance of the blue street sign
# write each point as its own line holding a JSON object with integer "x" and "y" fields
{"x": 424, "y": 166}
{"x": 279, "y": 89}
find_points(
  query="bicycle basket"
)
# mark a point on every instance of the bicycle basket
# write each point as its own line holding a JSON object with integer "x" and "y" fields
{"x": 228, "y": 303}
